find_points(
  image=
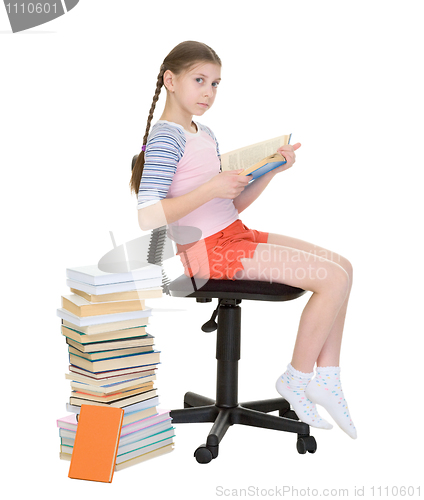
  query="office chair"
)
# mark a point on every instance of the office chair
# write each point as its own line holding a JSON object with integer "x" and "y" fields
{"x": 225, "y": 410}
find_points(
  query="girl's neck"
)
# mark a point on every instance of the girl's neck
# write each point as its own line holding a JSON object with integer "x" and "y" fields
{"x": 188, "y": 124}
{"x": 172, "y": 113}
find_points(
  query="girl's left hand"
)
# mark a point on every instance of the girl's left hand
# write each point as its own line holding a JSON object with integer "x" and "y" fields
{"x": 289, "y": 155}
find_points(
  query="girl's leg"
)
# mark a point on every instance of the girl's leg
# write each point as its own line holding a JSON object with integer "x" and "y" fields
{"x": 329, "y": 277}
{"x": 328, "y": 281}
{"x": 330, "y": 352}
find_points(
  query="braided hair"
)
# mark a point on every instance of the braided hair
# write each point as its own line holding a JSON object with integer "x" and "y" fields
{"x": 181, "y": 58}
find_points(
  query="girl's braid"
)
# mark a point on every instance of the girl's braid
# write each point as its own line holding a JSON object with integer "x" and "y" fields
{"x": 138, "y": 160}
{"x": 159, "y": 85}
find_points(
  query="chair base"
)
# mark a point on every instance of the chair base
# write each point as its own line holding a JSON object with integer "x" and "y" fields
{"x": 225, "y": 409}
{"x": 199, "y": 408}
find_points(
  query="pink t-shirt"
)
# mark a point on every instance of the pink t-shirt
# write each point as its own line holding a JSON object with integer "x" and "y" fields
{"x": 177, "y": 162}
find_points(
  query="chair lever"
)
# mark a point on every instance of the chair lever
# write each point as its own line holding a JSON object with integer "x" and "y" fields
{"x": 211, "y": 325}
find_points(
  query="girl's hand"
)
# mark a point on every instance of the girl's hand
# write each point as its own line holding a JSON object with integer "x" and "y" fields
{"x": 289, "y": 155}
{"x": 228, "y": 184}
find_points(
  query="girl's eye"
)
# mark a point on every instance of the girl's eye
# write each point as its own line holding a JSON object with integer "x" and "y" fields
{"x": 200, "y": 80}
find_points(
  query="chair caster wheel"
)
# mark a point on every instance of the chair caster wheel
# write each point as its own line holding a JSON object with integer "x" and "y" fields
{"x": 203, "y": 454}
{"x": 306, "y": 444}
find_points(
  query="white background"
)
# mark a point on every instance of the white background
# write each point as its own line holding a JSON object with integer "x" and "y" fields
{"x": 346, "y": 79}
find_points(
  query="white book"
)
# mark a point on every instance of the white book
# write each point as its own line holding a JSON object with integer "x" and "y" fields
{"x": 103, "y": 318}
{"x": 125, "y": 286}
{"x": 92, "y": 275}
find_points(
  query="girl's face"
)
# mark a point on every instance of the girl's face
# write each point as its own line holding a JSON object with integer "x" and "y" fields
{"x": 195, "y": 90}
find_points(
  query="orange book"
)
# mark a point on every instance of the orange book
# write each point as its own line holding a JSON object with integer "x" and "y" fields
{"x": 96, "y": 443}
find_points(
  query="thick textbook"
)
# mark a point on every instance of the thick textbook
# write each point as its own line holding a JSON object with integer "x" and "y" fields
{"x": 145, "y": 340}
{"x": 119, "y": 403}
{"x": 130, "y": 409}
{"x": 113, "y": 373}
{"x": 96, "y": 443}
{"x": 102, "y": 318}
{"x": 117, "y": 362}
{"x": 257, "y": 159}
{"x": 78, "y": 305}
{"x": 147, "y": 293}
{"x": 84, "y": 385}
{"x": 116, "y": 329}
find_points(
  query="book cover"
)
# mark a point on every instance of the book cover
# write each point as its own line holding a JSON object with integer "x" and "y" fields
{"x": 96, "y": 443}
{"x": 266, "y": 165}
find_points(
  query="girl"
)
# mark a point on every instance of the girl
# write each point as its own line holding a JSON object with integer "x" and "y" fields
{"x": 179, "y": 183}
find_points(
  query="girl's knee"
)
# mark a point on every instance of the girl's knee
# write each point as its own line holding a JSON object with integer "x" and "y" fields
{"x": 342, "y": 283}
{"x": 347, "y": 266}
{"x": 336, "y": 282}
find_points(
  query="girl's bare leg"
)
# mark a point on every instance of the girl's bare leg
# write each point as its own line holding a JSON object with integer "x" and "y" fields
{"x": 329, "y": 276}
{"x": 330, "y": 352}
{"x": 294, "y": 262}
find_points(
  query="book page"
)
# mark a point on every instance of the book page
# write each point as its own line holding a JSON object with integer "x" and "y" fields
{"x": 249, "y": 155}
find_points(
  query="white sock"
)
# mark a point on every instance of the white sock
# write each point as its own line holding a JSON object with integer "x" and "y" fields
{"x": 291, "y": 385}
{"x": 326, "y": 390}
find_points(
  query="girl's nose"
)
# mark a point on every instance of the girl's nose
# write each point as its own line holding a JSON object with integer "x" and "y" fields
{"x": 208, "y": 91}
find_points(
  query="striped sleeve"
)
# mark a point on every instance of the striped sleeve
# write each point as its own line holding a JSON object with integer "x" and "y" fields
{"x": 164, "y": 149}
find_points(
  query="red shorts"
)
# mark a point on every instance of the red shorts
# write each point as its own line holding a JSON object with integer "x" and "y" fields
{"x": 218, "y": 256}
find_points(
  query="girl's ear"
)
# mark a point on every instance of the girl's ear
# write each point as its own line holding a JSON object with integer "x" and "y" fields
{"x": 168, "y": 80}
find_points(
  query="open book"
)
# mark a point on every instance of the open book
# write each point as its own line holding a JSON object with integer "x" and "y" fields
{"x": 257, "y": 159}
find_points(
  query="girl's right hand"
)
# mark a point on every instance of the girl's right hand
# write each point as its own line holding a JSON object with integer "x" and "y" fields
{"x": 228, "y": 184}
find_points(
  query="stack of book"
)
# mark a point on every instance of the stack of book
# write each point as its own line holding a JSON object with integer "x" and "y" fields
{"x": 112, "y": 358}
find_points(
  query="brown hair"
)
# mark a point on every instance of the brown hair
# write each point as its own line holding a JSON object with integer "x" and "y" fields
{"x": 181, "y": 58}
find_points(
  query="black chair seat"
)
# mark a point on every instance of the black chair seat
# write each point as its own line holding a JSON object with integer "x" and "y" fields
{"x": 183, "y": 286}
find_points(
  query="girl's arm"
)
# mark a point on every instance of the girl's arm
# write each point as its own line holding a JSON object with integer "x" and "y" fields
{"x": 252, "y": 191}
{"x": 168, "y": 210}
